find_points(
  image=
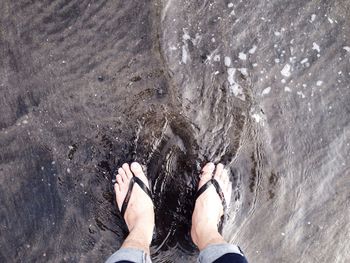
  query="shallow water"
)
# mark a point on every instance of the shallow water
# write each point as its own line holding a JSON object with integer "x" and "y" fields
{"x": 262, "y": 86}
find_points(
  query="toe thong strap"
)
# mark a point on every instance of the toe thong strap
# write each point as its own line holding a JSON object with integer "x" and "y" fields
{"x": 142, "y": 185}
{"x": 218, "y": 190}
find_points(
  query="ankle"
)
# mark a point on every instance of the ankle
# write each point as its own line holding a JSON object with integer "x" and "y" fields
{"x": 206, "y": 235}
{"x": 142, "y": 228}
{"x": 139, "y": 238}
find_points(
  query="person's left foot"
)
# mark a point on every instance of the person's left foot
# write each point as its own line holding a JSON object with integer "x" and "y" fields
{"x": 140, "y": 212}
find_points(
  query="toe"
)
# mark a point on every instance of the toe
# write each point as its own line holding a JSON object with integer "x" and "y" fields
{"x": 122, "y": 175}
{"x": 219, "y": 172}
{"x": 228, "y": 194}
{"x": 226, "y": 185}
{"x": 207, "y": 173}
{"x": 224, "y": 177}
{"x": 137, "y": 171}
{"x": 120, "y": 180}
{"x": 116, "y": 188}
{"x": 208, "y": 168}
{"x": 126, "y": 168}
{"x": 116, "y": 185}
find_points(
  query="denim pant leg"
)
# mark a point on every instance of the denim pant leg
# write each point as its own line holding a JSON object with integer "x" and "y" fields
{"x": 214, "y": 252}
{"x": 129, "y": 254}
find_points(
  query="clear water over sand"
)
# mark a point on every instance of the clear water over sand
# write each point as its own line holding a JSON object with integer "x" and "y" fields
{"x": 262, "y": 86}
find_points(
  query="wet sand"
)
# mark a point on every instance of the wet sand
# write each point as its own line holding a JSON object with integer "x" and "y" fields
{"x": 261, "y": 86}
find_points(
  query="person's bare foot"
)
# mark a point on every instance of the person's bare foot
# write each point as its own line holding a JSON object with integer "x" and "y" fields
{"x": 208, "y": 208}
{"x": 139, "y": 215}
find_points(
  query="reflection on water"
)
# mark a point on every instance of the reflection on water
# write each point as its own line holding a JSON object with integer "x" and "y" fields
{"x": 260, "y": 86}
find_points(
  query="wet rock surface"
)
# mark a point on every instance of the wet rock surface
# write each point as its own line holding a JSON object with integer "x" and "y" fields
{"x": 261, "y": 86}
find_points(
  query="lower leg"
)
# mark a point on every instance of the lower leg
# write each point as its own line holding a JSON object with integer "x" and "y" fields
{"x": 138, "y": 238}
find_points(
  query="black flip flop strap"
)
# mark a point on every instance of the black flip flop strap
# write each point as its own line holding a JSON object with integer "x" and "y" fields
{"x": 218, "y": 190}
{"x": 134, "y": 180}
{"x": 203, "y": 188}
{"x": 143, "y": 187}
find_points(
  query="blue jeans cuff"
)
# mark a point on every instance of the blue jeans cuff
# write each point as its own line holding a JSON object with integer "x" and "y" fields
{"x": 213, "y": 252}
{"x": 129, "y": 254}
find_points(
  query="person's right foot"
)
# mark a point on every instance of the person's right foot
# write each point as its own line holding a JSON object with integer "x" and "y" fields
{"x": 140, "y": 212}
{"x": 208, "y": 208}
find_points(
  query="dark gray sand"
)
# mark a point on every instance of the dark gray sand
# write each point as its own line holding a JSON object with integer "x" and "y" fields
{"x": 262, "y": 86}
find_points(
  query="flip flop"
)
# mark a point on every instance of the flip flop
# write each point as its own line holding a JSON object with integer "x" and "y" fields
{"x": 219, "y": 191}
{"x": 142, "y": 185}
